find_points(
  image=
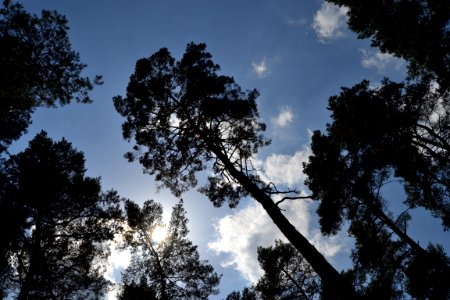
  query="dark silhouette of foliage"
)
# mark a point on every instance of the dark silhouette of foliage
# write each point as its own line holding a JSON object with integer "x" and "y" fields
{"x": 397, "y": 132}
{"x": 427, "y": 278}
{"x": 135, "y": 291}
{"x": 171, "y": 268}
{"x": 378, "y": 260}
{"x": 286, "y": 274}
{"x": 416, "y": 30}
{"x": 246, "y": 294}
{"x": 37, "y": 68}
{"x": 54, "y": 222}
{"x": 184, "y": 117}
{"x": 174, "y": 110}
{"x": 376, "y": 134}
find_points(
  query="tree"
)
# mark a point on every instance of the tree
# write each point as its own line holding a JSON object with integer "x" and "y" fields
{"x": 184, "y": 117}
{"x": 398, "y": 132}
{"x": 54, "y": 246}
{"x": 37, "y": 68}
{"x": 247, "y": 294}
{"x": 286, "y": 274}
{"x": 170, "y": 267}
{"x": 138, "y": 291}
{"x": 416, "y": 30}
{"x": 378, "y": 136}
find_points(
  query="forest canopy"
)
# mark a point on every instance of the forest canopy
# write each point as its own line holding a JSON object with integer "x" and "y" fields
{"x": 193, "y": 128}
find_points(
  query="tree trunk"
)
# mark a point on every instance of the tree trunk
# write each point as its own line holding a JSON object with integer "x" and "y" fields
{"x": 331, "y": 279}
{"x": 402, "y": 235}
{"x": 36, "y": 258}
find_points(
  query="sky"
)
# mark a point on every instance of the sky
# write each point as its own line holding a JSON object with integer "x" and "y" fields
{"x": 296, "y": 53}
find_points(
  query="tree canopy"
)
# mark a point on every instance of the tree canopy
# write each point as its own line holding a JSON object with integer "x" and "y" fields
{"x": 37, "y": 68}
{"x": 286, "y": 274}
{"x": 416, "y": 30}
{"x": 170, "y": 267}
{"x": 54, "y": 247}
{"x": 184, "y": 112}
{"x": 396, "y": 133}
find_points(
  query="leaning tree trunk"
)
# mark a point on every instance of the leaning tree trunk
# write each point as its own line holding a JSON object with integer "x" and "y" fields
{"x": 332, "y": 280}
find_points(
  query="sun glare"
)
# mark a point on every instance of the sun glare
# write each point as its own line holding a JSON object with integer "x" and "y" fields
{"x": 159, "y": 234}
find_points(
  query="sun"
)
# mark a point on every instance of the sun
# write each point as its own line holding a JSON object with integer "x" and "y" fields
{"x": 159, "y": 233}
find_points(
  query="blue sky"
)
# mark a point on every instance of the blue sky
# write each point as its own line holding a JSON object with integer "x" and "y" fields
{"x": 296, "y": 53}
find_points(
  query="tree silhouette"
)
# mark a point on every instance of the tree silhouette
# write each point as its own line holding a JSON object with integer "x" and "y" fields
{"x": 37, "y": 68}
{"x": 397, "y": 132}
{"x": 171, "y": 267}
{"x": 286, "y": 274}
{"x": 380, "y": 135}
{"x": 53, "y": 246}
{"x": 246, "y": 294}
{"x": 138, "y": 291}
{"x": 376, "y": 134}
{"x": 416, "y": 30}
{"x": 184, "y": 117}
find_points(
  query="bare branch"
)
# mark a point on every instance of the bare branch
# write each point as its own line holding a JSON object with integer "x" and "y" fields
{"x": 292, "y": 198}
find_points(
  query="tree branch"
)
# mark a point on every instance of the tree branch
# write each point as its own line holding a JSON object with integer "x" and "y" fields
{"x": 292, "y": 198}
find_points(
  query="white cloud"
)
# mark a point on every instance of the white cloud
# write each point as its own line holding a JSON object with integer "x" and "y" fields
{"x": 282, "y": 169}
{"x": 380, "y": 61}
{"x": 240, "y": 234}
{"x": 284, "y": 118}
{"x": 329, "y": 20}
{"x": 260, "y": 68}
{"x": 118, "y": 261}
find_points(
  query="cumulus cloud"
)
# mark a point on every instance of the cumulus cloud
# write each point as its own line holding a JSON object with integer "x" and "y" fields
{"x": 380, "y": 61}
{"x": 118, "y": 261}
{"x": 282, "y": 169}
{"x": 329, "y": 20}
{"x": 240, "y": 234}
{"x": 284, "y": 118}
{"x": 260, "y": 68}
